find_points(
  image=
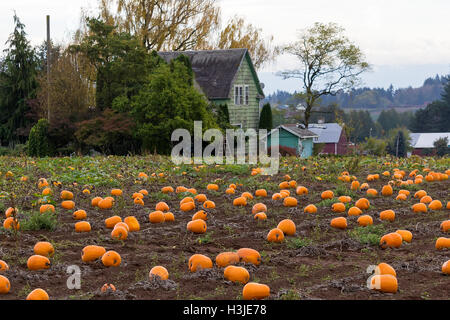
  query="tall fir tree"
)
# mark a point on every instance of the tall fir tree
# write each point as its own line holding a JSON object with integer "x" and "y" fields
{"x": 265, "y": 120}
{"x": 18, "y": 85}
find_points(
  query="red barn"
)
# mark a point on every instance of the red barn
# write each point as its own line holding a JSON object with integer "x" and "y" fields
{"x": 332, "y": 135}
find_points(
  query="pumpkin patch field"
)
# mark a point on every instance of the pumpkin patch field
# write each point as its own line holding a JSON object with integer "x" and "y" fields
{"x": 143, "y": 228}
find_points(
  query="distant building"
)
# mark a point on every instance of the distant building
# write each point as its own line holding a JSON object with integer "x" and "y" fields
{"x": 423, "y": 143}
{"x": 293, "y": 141}
{"x": 332, "y": 136}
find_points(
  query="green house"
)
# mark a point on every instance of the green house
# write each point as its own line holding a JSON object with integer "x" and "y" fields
{"x": 227, "y": 77}
{"x": 293, "y": 140}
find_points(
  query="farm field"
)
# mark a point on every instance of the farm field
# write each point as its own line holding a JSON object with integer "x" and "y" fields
{"x": 317, "y": 262}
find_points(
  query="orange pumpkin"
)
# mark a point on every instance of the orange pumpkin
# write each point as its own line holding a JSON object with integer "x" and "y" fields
{"x": 426, "y": 199}
{"x": 328, "y": 194}
{"x": 66, "y": 195}
{"x": 339, "y": 223}
{"x": 213, "y": 187}
{"x": 159, "y": 272}
{"x": 435, "y": 205}
{"x": 301, "y": 190}
{"x": 105, "y": 203}
{"x": 310, "y": 209}
{"x": 275, "y": 235}
{"x": 116, "y": 192}
{"x": 406, "y": 235}
{"x": 253, "y": 290}
{"x": 338, "y": 207}
{"x": 284, "y": 185}
{"x": 187, "y": 206}
{"x": 241, "y": 201}
{"x": 442, "y": 243}
{"x": 44, "y": 248}
{"x": 82, "y": 226}
{"x": 249, "y": 255}
{"x": 119, "y": 232}
{"x": 388, "y": 215}
{"x": 287, "y": 226}
{"x": 11, "y": 223}
{"x": 391, "y": 240}
{"x": 200, "y": 215}
{"x": 345, "y": 199}
{"x": 290, "y": 202}
{"x": 260, "y": 216}
{"x": 420, "y": 194}
{"x": 10, "y": 211}
{"x": 230, "y": 191}
{"x": 68, "y": 204}
{"x": 225, "y": 259}
{"x": 363, "y": 204}
{"x": 3, "y": 266}
{"x": 419, "y": 207}
{"x": 365, "y": 220}
{"x": 200, "y": 198}
{"x": 259, "y": 207}
{"x": 372, "y": 192}
{"x": 180, "y": 189}
{"x": 261, "y": 193}
{"x": 446, "y": 267}
{"x": 91, "y": 253}
{"x": 384, "y": 283}
{"x": 354, "y": 211}
{"x": 112, "y": 221}
{"x": 111, "y": 259}
{"x": 355, "y": 185}
{"x": 236, "y": 274}
{"x": 384, "y": 268}
{"x": 79, "y": 215}
{"x": 137, "y": 195}
{"x": 208, "y": 204}
{"x": 144, "y": 192}
{"x": 445, "y": 226}
{"x": 401, "y": 197}
{"x": 5, "y": 285}
{"x": 132, "y": 223}
{"x": 162, "y": 206}
{"x": 247, "y": 195}
{"x": 38, "y": 294}
{"x": 168, "y": 216}
{"x": 138, "y": 201}
{"x": 387, "y": 190}
{"x": 156, "y": 216}
{"x": 197, "y": 226}
{"x": 95, "y": 201}
{"x": 38, "y": 262}
{"x": 108, "y": 287}
{"x": 198, "y": 262}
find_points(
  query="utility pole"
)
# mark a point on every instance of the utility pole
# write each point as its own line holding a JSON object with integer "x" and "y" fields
{"x": 48, "y": 68}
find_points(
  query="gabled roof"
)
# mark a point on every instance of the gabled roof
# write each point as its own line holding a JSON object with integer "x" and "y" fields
{"x": 426, "y": 140}
{"x": 295, "y": 130}
{"x": 327, "y": 132}
{"x": 214, "y": 70}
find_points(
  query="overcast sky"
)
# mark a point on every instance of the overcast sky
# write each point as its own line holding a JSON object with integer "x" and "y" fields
{"x": 404, "y": 40}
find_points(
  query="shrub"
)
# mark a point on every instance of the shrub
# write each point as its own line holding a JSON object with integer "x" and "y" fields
{"x": 37, "y": 221}
{"x": 368, "y": 235}
{"x": 38, "y": 141}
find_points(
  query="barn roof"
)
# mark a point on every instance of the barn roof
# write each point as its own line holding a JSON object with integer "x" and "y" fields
{"x": 214, "y": 70}
{"x": 327, "y": 132}
{"x": 295, "y": 130}
{"x": 426, "y": 140}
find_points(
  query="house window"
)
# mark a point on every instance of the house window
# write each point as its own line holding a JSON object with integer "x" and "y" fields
{"x": 246, "y": 95}
{"x": 241, "y": 95}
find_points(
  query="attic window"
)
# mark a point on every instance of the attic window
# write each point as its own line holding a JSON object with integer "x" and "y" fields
{"x": 241, "y": 94}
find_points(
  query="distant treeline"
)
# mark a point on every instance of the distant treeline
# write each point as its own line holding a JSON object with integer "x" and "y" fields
{"x": 373, "y": 97}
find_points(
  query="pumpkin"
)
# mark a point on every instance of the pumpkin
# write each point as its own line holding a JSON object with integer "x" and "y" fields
{"x": 208, "y": 204}
{"x": 108, "y": 287}
{"x": 3, "y": 266}
{"x": 354, "y": 211}
{"x": 226, "y": 258}
{"x": 11, "y": 211}
{"x": 290, "y": 202}
{"x": 287, "y": 226}
{"x": 199, "y": 261}
{"x": 44, "y": 248}
{"x": 232, "y": 186}
{"x": 388, "y": 215}
{"x": 418, "y": 180}
{"x": 66, "y": 195}
{"x": 372, "y": 192}
{"x": 448, "y": 205}
{"x": 276, "y": 196}
{"x": 111, "y": 259}
{"x": 180, "y": 189}
{"x": 384, "y": 283}
{"x": 355, "y": 185}
{"x": 345, "y": 199}
{"x": 158, "y": 272}
{"x": 419, "y": 207}
{"x": 168, "y": 216}
{"x": 434, "y": 205}
{"x": 162, "y": 206}
{"x": 275, "y": 235}
{"x": 445, "y": 226}
{"x": 285, "y": 193}
{"x": 200, "y": 198}
{"x": 11, "y": 223}
{"x": 253, "y": 290}
{"x": 406, "y": 235}
{"x": 79, "y": 215}
{"x": 384, "y": 268}
{"x": 241, "y": 201}
{"x": 310, "y": 209}
{"x": 197, "y": 226}
{"x": 132, "y": 223}
{"x": 91, "y": 253}
{"x": 236, "y": 274}
{"x": 95, "y": 201}
{"x": 426, "y": 199}
{"x": 156, "y": 217}
{"x": 38, "y": 262}
{"x": 364, "y": 186}
{"x": 230, "y": 191}
{"x": 401, "y": 197}
{"x": 212, "y": 186}
{"x": 446, "y": 267}
{"x": 144, "y": 192}
{"x": 42, "y": 183}
{"x": 247, "y": 195}
{"x": 259, "y": 207}
{"x": 420, "y": 194}
{"x": 339, "y": 223}
{"x": 442, "y": 243}
{"x": 261, "y": 193}
{"x": 200, "y": 215}
{"x": 86, "y": 191}
{"x": 363, "y": 204}
{"x": 105, "y": 203}
{"x": 112, "y": 221}
{"x": 338, "y": 207}
{"x": 187, "y": 206}
{"x": 301, "y": 190}
{"x": 365, "y": 220}
{"x": 405, "y": 192}
{"x": 47, "y": 191}
{"x": 137, "y": 195}
{"x": 82, "y": 226}
{"x": 5, "y": 285}
{"x": 47, "y": 208}
{"x": 328, "y": 194}
{"x": 391, "y": 240}
{"x": 138, "y": 201}
{"x": 260, "y": 216}
{"x": 387, "y": 190}
{"x": 68, "y": 204}
{"x": 142, "y": 175}
{"x": 116, "y": 192}
{"x": 284, "y": 185}
{"x": 249, "y": 255}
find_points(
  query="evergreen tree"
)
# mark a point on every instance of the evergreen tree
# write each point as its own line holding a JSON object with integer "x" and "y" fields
{"x": 441, "y": 146}
{"x": 38, "y": 142}
{"x": 18, "y": 85}
{"x": 265, "y": 120}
